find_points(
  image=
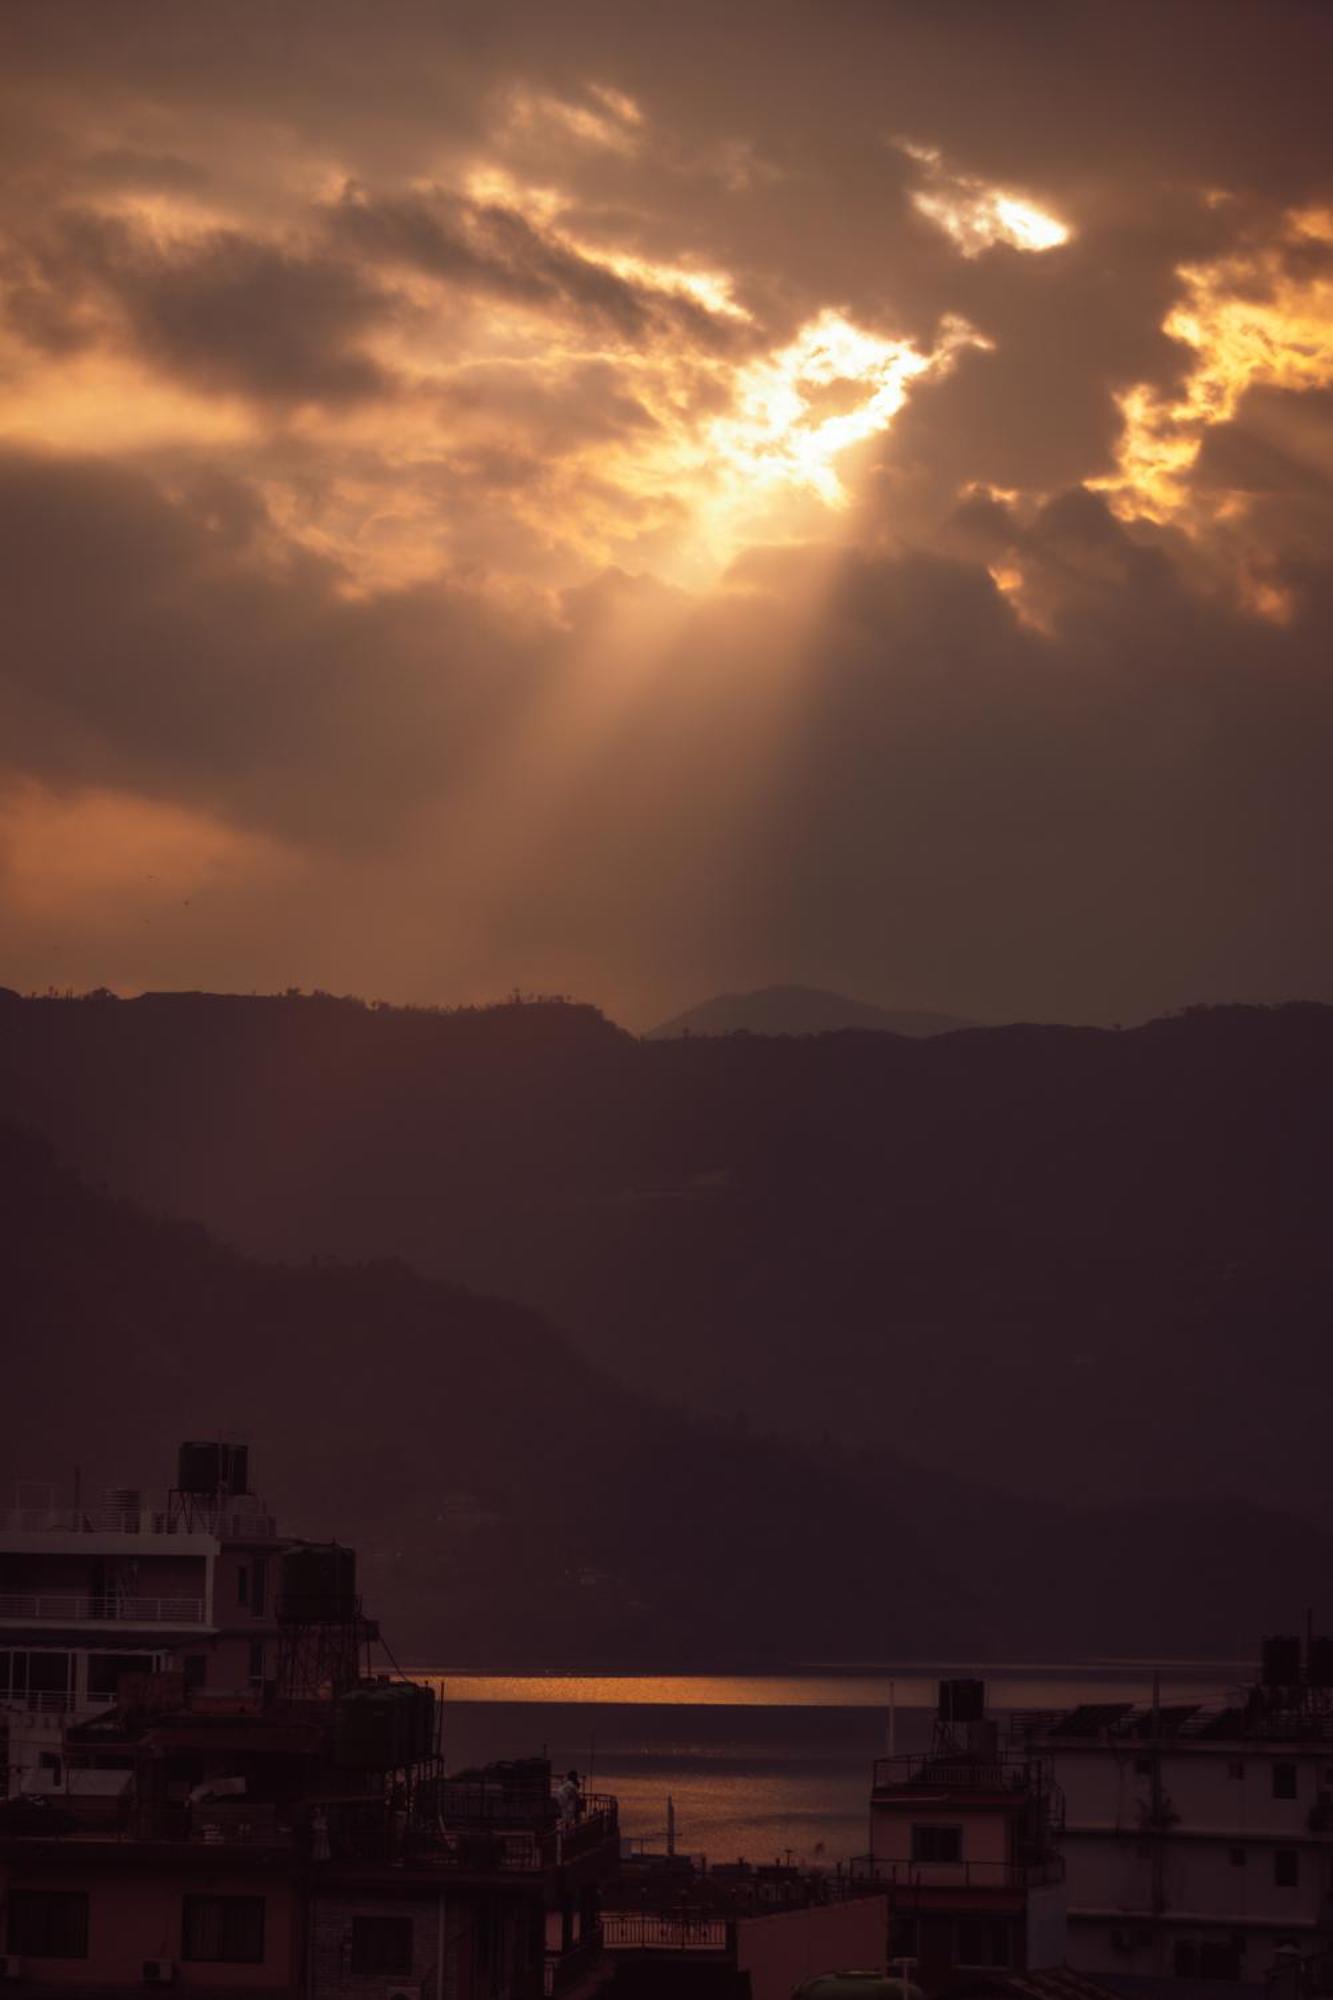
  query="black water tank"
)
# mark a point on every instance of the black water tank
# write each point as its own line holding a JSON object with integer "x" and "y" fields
{"x": 1282, "y": 1662}
{"x": 1319, "y": 1663}
{"x": 962, "y": 1701}
{"x": 213, "y": 1468}
{"x": 385, "y": 1728}
{"x": 318, "y": 1585}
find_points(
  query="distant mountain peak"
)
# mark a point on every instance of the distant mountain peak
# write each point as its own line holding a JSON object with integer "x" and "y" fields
{"x": 800, "y": 1010}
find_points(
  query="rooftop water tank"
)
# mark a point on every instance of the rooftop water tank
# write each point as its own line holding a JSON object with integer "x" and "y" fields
{"x": 1282, "y": 1662}
{"x": 962, "y": 1701}
{"x": 318, "y": 1585}
{"x": 213, "y": 1468}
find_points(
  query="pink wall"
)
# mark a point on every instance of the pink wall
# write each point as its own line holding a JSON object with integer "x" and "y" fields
{"x": 132, "y": 1917}
{"x": 781, "y": 1950}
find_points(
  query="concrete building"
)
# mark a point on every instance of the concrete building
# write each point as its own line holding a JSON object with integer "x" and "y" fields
{"x": 737, "y": 1932}
{"x": 209, "y": 1789}
{"x": 963, "y": 1838}
{"x": 1198, "y": 1840}
{"x": 94, "y": 1592}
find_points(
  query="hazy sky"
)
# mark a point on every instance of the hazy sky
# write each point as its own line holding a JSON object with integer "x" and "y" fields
{"x": 641, "y": 500}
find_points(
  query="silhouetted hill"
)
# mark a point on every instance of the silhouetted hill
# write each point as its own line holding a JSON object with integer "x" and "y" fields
{"x": 510, "y": 1501}
{"x": 799, "y": 1010}
{"x": 514, "y": 1505}
{"x": 1066, "y": 1261}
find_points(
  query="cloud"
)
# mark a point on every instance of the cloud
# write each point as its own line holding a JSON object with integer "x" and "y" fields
{"x": 576, "y": 491}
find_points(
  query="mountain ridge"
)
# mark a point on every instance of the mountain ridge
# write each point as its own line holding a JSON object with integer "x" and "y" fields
{"x": 512, "y": 1503}
{"x": 801, "y": 1010}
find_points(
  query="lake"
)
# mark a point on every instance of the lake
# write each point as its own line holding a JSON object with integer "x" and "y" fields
{"x": 760, "y": 1765}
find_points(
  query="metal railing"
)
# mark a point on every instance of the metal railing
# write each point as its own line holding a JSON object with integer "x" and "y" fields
{"x": 77, "y": 1609}
{"x": 1014, "y": 1875}
{"x": 646, "y": 1931}
{"x": 960, "y": 1774}
{"x": 223, "y": 1518}
{"x": 481, "y": 1846}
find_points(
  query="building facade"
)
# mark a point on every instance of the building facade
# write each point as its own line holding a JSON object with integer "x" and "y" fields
{"x": 209, "y": 1789}
{"x": 964, "y": 1839}
{"x": 1198, "y": 1840}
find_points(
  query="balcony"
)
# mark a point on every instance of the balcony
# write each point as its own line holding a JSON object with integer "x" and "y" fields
{"x": 491, "y": 1839}
{"x": 1011, "y": 1877}
{"x": 42, "y": 1608}
{"x": 225, "y": 1517}
{"x": 960, "y": 1774}
{"x": 683, "y": 1932}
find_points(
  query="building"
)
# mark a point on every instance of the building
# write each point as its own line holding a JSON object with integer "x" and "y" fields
{"x": 250, "y": 1810}
{"x": 93, "y": 1592}
{"x": 964, "y": 1840}
{"x": 1198, "y": 1840}
{"x": 737, "y": 1932}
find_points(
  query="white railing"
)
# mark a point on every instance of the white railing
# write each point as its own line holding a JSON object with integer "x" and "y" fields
{"x": 77, "y": 1610}
{"x": 960, "y": 1874}
{"x": 223, "y": 1518}
{"x": 642, "y": 1932}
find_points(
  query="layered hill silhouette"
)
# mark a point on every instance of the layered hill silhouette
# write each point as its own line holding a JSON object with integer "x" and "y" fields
{"x": 800, "y": 1010}
{"x": 514, "y": 1505}
{"x": 1069, "y": 1262}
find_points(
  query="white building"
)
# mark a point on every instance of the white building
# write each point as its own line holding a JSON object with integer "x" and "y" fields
{"x": 1198, "y": 1841}
{"x": 94, "y": 1595}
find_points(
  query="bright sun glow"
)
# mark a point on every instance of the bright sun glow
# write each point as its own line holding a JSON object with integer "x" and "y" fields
{"x": 835, "y": 385}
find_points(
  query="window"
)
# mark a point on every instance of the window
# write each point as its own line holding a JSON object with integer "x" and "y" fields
{"x": 1143, "y": 1767}
{"x": 47, "y": 1923}
{"x": 382, "y": 1944}
{"x": 48, "y": 1762}
{"x": 258, "y": 1580}
{"x": 223, "y": 1930}
{"x": 196, "y": 1669}
{"x": 1208, "y": 1958}
{"x": 1284, "y": 1781}
{"x": 256, "y": 1659}
{"x": 1286, "y": 1868}
{"x": 242, "y": 1584}
{"x": 1235, "y": 1769}
{"x": 1236, "y": 1856}
{"x": 937, "y": 1843}
{"x": 49, "y": 1673}
{"x": 981, "y": 1941}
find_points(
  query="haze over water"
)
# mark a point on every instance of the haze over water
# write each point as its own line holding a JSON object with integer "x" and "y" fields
{"x": 759, "y": 1765}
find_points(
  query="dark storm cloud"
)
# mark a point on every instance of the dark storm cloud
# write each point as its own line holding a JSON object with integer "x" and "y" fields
{"x": 178, "y": 649}
{"x": 492, "y": 250}
{"x": 229, "y": 312}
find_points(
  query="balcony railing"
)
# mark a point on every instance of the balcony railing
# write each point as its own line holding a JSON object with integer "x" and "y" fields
{"x": 960, "y": 1774}
{"x": 224, "y": 1517}
{"x": 681, "y": 1931}
{"x": 78, "y": 1610}
{"x": 481, "y": 1845}
{"x": 1018, "y": 1876}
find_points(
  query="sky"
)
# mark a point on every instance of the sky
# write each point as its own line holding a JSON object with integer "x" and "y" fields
{"x": 639, "y": 502}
